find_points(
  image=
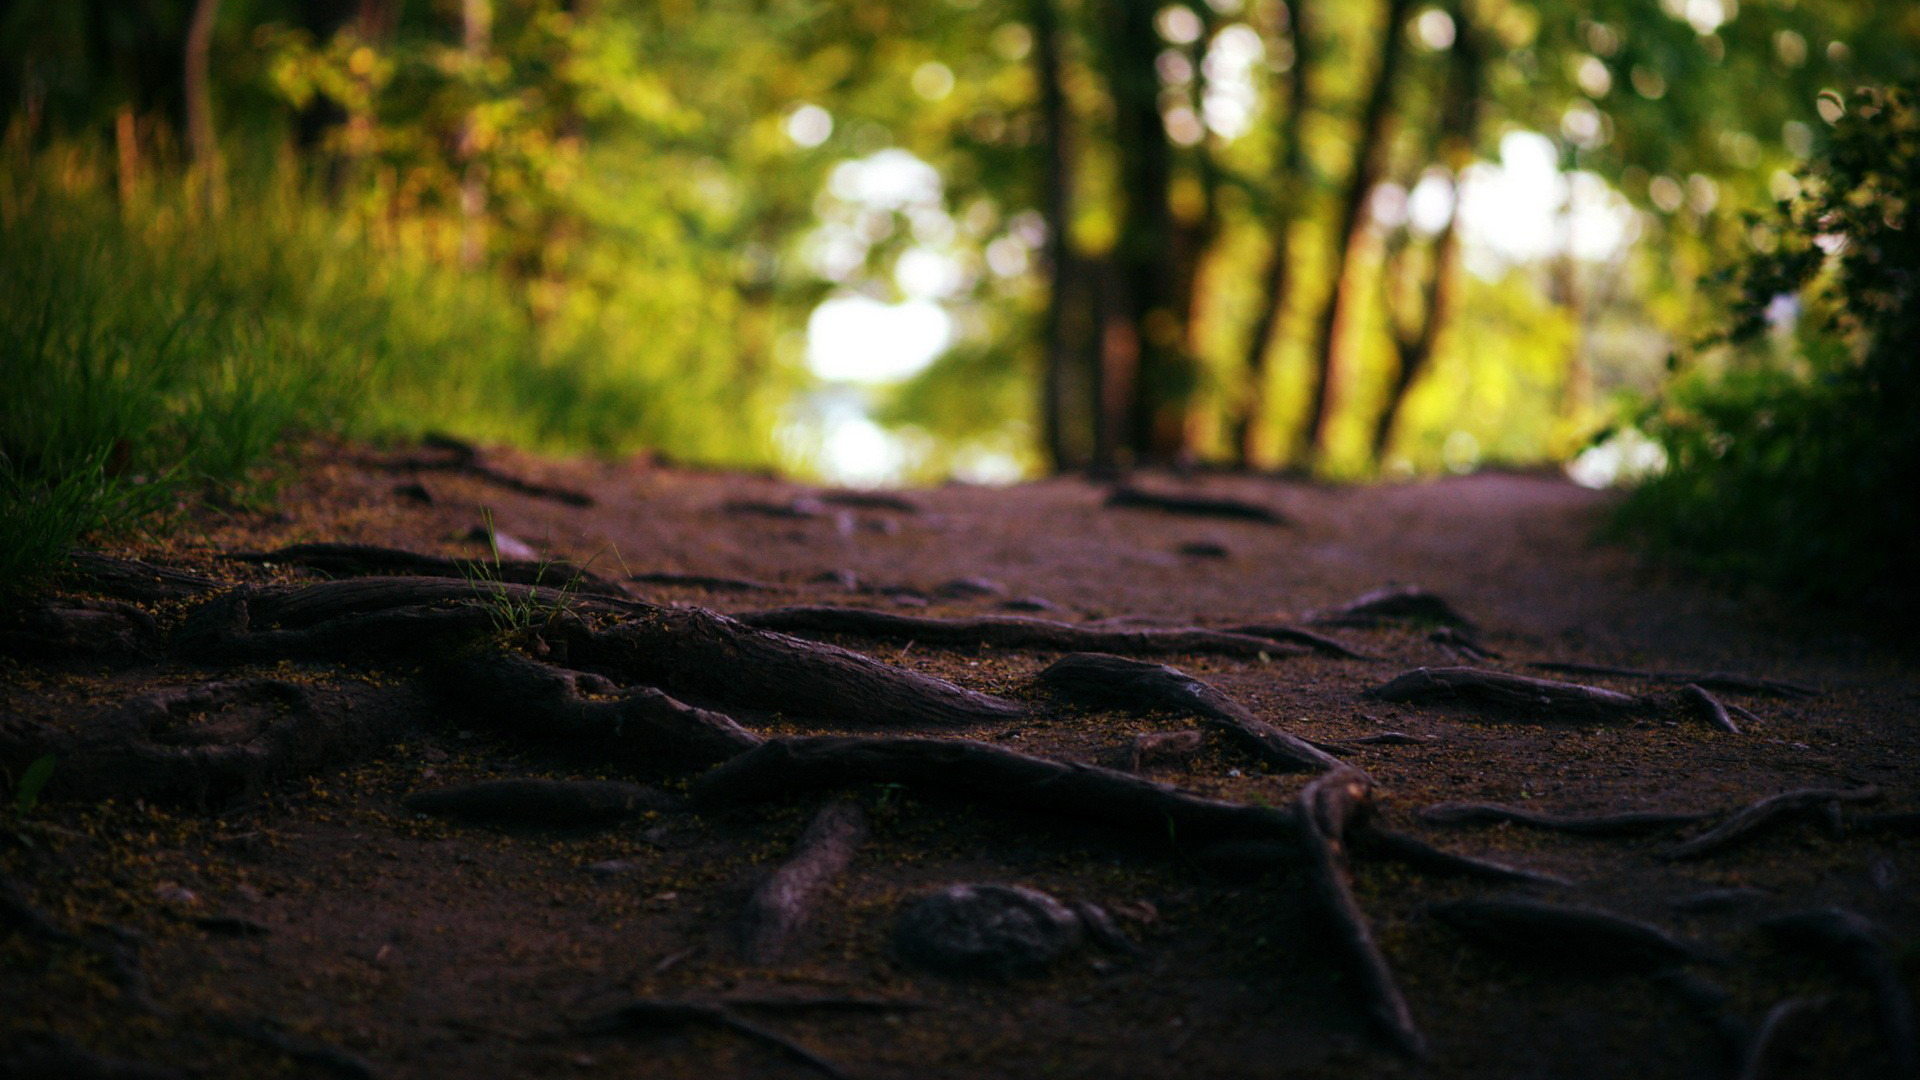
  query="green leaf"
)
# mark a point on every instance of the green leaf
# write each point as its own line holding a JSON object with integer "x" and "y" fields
{"x": 33, "y": 782}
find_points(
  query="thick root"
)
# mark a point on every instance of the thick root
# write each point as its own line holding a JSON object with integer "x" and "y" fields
{"x": 1743, "y": 824}
{"x": 783, "y": 904}
{"x": 1500, "y": 691}
{"x": 1101, "y": 677}
{"x": 1212, "y": 506}
{"x": 1015, "y": 632}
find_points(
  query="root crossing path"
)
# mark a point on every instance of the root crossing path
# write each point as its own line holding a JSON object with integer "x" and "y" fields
{"x": 1193, "y": 777}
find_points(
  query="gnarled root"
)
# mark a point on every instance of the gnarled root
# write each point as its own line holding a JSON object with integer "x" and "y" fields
{"x": 995, "y": 776}
{"x": 784, "y": 903}
{"x": 1327, "y": 810}
{"x": 1633, "y": 823}
{"x": 1499, "y": 690}
{"x": 1747, "y": 821}
{"x": 1014, "y": 632}
{"x": 1100, "y": 677}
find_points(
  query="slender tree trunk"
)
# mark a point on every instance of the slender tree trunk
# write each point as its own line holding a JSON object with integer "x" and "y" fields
{"x": 1116, "y": 366}
{"x": 1277, "y": 280}
{"x": 126, "y": 144}
{"x": 203, "y": 152}
{"x": 1163, "y": 385}
{"x": 476, "y": 34}
{"x": 1368, "y": 162}
{"x": 1459, "y": 129}
{"x": 1058, "y": 201}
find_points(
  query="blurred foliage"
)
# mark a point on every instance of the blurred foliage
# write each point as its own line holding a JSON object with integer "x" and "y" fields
{"x": 1797, "y": 461}
{"x": 604, "y": 224}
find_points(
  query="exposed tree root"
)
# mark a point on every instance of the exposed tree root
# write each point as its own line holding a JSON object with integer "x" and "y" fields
{"x": 1102, "y": 677}
{"x": 1390, "y": 738}
{"x": 557, "y": 803}
{"x": 1708, "y": 708}
{"x": 1214, "y": 506}
{"x": 649, "y": 1015}
{"x": 81, "y": 628}
{"x": 1295, "y": 635}
{"x": 132, "y": 579}
{"x": 216, "y": 744}
{"x": 1857, "y": 945}
{"x": 1780, "y": 1034}
{"x": 1554, "y": 935}
{"x": 1013, "y": 632}
{"x": 1499, "y": 690}
{"x": 1462, "y": 645}
{"x": 734, "y": 664}
{"x": 1327, "y": 809}
{"x": 1743, "y": 824}
{"x": 1633, "y": 823}
{"x": 367, "y": 560}
{"x": 709, "y": 582}
{"x": 872, "y": 500}
{"x": 1156, "y": 813}
{"x": 1712, "y": 680}
{"x": 1392, "y": 603}
{"x": 643, "y": 726}
{"x": 461, "y": 456}
{"x": 1417, "y": 853}
{"x": 784, "y": 903}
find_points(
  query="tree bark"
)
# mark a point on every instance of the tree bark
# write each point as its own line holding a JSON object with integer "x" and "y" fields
{"x": 202, "y": 150}
{"x": 1368, "y": 162}
{"x": 1459, "y": 130}
{"x": 1277, "y": 281}
{"x": 1057, "y": 197}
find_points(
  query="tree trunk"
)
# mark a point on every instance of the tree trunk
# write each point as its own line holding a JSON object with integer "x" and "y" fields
{"x": 1057, "y": 186}
{"x": 1368, "y": 162}
{"x": 1459, "y": 131}
{"x": 1156, "y": 425}
{"x": 203, "y": 152}
{"x": 1277, "y": 281}
{"x": 476, "y": 32}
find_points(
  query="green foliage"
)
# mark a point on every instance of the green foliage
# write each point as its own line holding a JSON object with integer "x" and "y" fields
{"x": 26, "y": 796}
{"x": 516, "y": 608}
{"x": 1797, "y": 465}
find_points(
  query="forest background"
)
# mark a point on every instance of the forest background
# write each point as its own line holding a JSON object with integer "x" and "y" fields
{"x": 887, "y": 242}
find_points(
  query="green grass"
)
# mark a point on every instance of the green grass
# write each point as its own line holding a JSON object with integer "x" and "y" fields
{"x": 150, "y": 355}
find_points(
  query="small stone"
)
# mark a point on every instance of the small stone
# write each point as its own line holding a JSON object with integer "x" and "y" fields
{"x": 612, "y": 867}
{"x": 433, "y": 754}
{"x": 1027, "y": 603}
{"x": 992, "y": 931}
{"x": 178, "y": 895}
{"x": 962, "y": 588}
{"x": 1163, "y": 748}
{"x": 912, "y": 600}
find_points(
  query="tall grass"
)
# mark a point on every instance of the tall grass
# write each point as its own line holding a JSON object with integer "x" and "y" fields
{"x": 149, "y": 351}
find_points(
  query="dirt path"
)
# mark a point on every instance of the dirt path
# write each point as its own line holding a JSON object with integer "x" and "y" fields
{"x": 291, "y": 911}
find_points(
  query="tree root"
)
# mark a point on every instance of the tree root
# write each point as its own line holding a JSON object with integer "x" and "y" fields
{"x": 367, "y": 560}
{"x": 537, "y": 701}
{"x": 1390, "y": 738}
{"x": 1708, "y": 708}
{"x": 995, "y": 776}
{"x": 1013, "y": 632}
{"x": 1214, "y": 506}
{"x": 1102, "y": 677}
{"x": 216, "y": 744}
{"x": 1712, "y": 680}
{"x": 648, "y": 1015}
{"x": 1857, "y": 945}
{"x": 1395, "y": 602}
{"x": 1779, "y": 1034}
{"x": 132, "y": 579}
{"x": 1557, "y": 936}
{"x": 1633, "y": 823}
{"x": 1744, "y": 823}
{"x": 1499, "y": 690}
{"x": 1295, "y": 635}
{"x": 461, "y": 456}
{"x": 70, "y": 628}
{"x": 1462, "y": 645}
{"x": 1327, "y": 809}
{"x": 709, "y": 582}
{"x": 555, "y": 803}
{"x": 1417, "y": 853}
{"x": 783, "y": 904}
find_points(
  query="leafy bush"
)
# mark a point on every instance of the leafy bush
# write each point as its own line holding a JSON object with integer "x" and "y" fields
{"x": 1799, "y": 464}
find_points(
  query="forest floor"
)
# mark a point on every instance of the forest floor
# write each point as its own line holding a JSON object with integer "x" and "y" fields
{"x": 260, "y": 899}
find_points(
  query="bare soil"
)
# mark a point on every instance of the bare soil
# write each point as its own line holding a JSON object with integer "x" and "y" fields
{"x": 316, "y": 925}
